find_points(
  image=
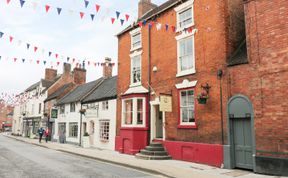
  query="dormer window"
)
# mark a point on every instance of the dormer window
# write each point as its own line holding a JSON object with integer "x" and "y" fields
{"x": 136, "y": 39}
{"x": 185, "y": 15}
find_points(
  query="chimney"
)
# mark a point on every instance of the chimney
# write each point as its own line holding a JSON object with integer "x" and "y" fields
{"x": 144, "y": 6}
{"x": 66, "y": 68}
{"x": 79, "y": 76}
{"x": 107, "y": 68}
{"x": 50, "y": 74}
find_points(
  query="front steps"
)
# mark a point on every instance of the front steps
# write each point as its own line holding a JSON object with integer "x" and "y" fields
{"x": 155, "y": 151}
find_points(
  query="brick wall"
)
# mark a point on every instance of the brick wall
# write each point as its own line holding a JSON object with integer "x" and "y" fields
{"x": 264, "y": 79}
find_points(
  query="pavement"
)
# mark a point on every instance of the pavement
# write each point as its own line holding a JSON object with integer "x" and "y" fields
{"x": 166, "y": 168}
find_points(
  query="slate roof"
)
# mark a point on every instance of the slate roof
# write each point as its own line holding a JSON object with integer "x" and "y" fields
{"x": 58, "y": 92}
{"x": 32, "y": 87}
{"x": 107, "y": 90}
{"x": 153, "y": 12}
{"x": 239, "y": 56}
{"x": 79, "y": 92}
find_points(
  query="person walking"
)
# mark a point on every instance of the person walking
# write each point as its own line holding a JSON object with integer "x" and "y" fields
{"x": 46, "y": 134}
{"x": 40, "y": 132}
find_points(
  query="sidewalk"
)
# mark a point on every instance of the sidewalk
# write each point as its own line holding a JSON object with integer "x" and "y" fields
{"x": 166, "y": 168}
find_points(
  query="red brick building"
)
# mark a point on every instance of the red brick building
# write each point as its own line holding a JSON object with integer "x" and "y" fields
{"x": 189, "y": 50}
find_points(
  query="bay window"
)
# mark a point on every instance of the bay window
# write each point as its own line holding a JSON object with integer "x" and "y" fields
{"x": 133, "y": 112}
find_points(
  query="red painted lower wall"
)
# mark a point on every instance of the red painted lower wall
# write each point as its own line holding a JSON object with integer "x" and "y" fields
{"x": 131, "y": 140}
{"x": 211, "y": 154}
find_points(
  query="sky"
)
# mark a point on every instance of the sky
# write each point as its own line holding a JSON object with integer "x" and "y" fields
{"x": 66, "y": 35}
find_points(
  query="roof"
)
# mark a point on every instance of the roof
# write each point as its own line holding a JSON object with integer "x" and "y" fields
{"x": 107, "y": 90}
{"x": 79, "y": 92}
{"x": 32, "y": 87}
{"x": 153, "y": 12}
{"x": 58, "y": 92}
{"x": 239, "y": 56}
{"x": 48, "y": 83}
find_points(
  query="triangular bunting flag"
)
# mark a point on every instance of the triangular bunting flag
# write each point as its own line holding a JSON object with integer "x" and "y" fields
{"x": 23, "y": 60}
{"x": 127, "y": 17}
{"x": 56, "y": 55}
{"x": 112, "y": 20}
{"x": 167, "y": 27}
{"x": 28, "y": 45}
{"x": 15, "y": 59}
{"x": 47, "y": 7}
{"x": 37, "y": 61}
{"x": 86, "y": 3}
{"x": 8, "y": 1}
{"x": 88, "y": 63}
{"x": 50, "y": 53}
{"x": 1, "y": 34}
{"x": 22, "y": 3}
{"x": 35, "y": 49}
{"x": 122, "y": 21}
{"x": 68, "y": 58}
{"x": 73, "y": 59}
{"x": 58, "y": 63}
{"x": 117, "y": 14}
{"x": 150, "y": 25}
{"x": 44, "y": 62}
{"x": 97, "y": 8}
{"x": 173, "y": 28}
{"x": 144, "y": 22}
{"x": 158, "y": 26}
{"x": 10, "y": 38}
{"x": 92, "y": 16}
{"x": 59, "y": 10}
{"x": 81, "y": 15}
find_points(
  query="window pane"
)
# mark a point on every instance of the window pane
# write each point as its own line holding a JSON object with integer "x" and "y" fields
{"x": 136, "y": 70}
{"x": 128, "y": 112}
{"x": 187, "y": 106}
{"x": 191, "y": 115}
{"x": 139, "y": 111}
{"x": 186, "y": 54}
{"x": 183, "y": 98}
{"x": 184, "y": 115}
{"x": 190, "y": 98}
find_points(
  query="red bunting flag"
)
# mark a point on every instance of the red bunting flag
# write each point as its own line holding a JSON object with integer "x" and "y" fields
{"x": 95, "y": 64}
{"x": 56, "y": 55}
{"x": 81, "y": 15}
{"x": 112, "y": 20}
{"x": 127, "y": 17}
{"x": 58, "y": 63}
{"x": 73, "y": 60}
{"x": 173, "y": 28}
{"x": 140, "y": 24}
{"x": 37, "y": 61}
{"x": 15, "y": 59}
{"x": 97, "y": 7}
{"x": 35, "y": 49}
{"x": 88, "y": 63}
{"x": 47, "y": 7}
{"x": 8, "y": 1}
{"x": 11, "y": 39}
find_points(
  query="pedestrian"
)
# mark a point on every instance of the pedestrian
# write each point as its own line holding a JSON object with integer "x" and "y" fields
{"x": 40, "y": 132}
{"x": 46, "y": 134}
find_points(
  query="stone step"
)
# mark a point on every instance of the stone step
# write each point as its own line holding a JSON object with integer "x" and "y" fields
{"x": 156, "y": 144}
{"x": 151, "y": 148}
{"x": 141, "y": 156}
{"x": 153, "y": 153}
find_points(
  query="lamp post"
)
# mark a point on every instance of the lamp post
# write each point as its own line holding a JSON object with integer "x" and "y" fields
{"x": 82, "y": 111}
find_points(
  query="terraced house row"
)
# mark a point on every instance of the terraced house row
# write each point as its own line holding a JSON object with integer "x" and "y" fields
{"x": 200, "y": 81}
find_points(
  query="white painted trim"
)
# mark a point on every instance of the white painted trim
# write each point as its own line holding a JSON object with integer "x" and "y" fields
{"x": 136, "y": 53}
{"x": 153, "y": 120}
{"x": 185, "y": 35}
{"x": 136, "y": 30}
{"x": 134, "y": 119}
{"x": 189, "y": 71}
{"x": 181, "y": 8}
{"x": 186, "y": 84}
{"x": 132, "y": 33}
{"x": 137, "y": 89}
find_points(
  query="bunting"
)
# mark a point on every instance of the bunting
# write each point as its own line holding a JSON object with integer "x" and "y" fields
{"x": 59, "y": 10}
{"x": 22, "y": 3}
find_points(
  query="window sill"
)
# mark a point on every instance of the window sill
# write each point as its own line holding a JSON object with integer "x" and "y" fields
{"x": 135, "y": 85}
{"x": 133, "y": 49}
{"x": 194, "y": 126}
{"x": 184, "y": 73}
{"x": 179, "y": 29}
{"x": 133, "y": 128}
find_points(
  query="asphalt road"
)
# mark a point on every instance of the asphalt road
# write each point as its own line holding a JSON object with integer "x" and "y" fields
{"x": 22, "y": 160}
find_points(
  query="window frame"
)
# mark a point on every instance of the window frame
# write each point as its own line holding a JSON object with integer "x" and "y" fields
{"x": 180, "y": 9}
{"x": 134, "y": 112}
{"x": 104, "y": 130}
{"x": 132, "y": 34}
{"x": 179, "y": 39}
{"x": 105, "y": 105}
{"x": 133, "y": 56}
{"x": 62, "y": 109}
{"x": 182, "y": 125}
{"x": 71, "y": 108}
{"x": 71, "y": 134}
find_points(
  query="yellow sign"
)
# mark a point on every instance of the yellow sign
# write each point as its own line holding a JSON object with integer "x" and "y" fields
{"x": 165, "y": 103}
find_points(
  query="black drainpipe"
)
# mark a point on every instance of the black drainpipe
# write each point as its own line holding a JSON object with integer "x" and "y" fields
{"x": 220, "y": 74}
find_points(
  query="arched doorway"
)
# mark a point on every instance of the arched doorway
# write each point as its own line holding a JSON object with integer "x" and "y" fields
{"x": 241, "y": 132}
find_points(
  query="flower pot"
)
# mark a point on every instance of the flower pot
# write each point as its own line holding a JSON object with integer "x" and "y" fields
{"x": 202, "y": 100}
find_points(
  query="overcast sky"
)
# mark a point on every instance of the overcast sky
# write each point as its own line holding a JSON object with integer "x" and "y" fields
{"x": 65, "y": 34}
